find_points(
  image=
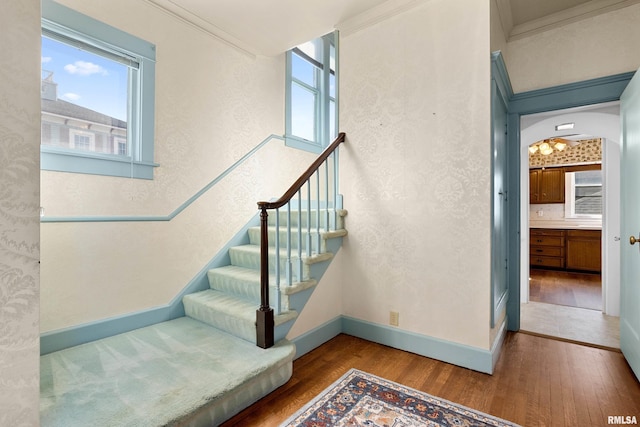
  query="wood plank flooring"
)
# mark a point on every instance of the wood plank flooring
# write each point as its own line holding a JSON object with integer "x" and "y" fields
{"x": 582, "y": 290}
{"x": 537, "y": 381}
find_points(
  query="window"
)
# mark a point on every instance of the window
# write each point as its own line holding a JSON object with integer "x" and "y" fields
{"x": 97, "y": 97}
{"x": 311, "y": 113}
{"x": 584, "y": 194}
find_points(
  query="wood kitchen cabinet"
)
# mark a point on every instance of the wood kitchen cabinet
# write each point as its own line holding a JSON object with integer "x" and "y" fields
{"x": 579, "y": 250}
{"x": 546, "y": 185}
{"x": 584, "y": 250}
{"x": 547, "y": 247}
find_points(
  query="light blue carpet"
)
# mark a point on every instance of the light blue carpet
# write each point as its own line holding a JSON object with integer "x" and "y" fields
{"x": 178, "y": 373}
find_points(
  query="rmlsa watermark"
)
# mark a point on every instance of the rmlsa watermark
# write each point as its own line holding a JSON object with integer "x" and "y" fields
{"x": 622, "y": 419}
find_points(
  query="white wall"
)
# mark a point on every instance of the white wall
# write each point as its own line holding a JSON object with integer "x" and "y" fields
{"x": 595, "y": 47}
{"x": 19, "y": 203}
{"x": 415, "y": 104}
{"x": 213, "y": 104}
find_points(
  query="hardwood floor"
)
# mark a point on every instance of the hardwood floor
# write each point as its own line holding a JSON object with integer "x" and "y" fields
{"x": 537, "y": 381}
{"x": 581, "y": 290}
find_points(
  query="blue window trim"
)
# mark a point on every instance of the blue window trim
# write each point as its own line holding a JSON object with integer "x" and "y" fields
{"x": 322, "y": 112}
{"x": 140, "y": 164}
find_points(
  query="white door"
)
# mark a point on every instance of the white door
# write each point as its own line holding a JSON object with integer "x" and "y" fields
{"x": 630, "y": 225}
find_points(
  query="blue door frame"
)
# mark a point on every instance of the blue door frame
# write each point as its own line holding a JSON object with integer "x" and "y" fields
{"x": 588, "y": 92}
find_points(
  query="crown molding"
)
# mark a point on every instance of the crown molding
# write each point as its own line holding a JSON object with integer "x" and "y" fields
{"x": 189, "y": 18}
{"x": 505, "y": 15}
{"x": 377, "y": 14}
{"x": 567, "y": 16}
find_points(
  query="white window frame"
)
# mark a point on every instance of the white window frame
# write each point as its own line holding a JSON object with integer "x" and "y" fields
{"x": 322, "y": 115}
{"x": 58, "y": 20}
{"x": 73, "y": 133}
{"x": 570, "y": 198}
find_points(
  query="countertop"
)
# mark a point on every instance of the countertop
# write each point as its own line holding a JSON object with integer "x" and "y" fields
{"x": 567, "y": 225}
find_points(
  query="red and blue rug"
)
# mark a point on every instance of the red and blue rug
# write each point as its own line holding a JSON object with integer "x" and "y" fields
{"x": 361, "y": 399}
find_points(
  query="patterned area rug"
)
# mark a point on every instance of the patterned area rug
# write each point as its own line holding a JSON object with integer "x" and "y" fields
{"x": 361, "y": 399}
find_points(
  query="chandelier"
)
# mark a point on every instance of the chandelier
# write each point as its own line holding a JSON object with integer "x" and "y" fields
{"x": 548, "y": 146}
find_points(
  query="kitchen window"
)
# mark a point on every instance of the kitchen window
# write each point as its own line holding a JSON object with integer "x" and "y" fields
{"x": 584, "y": 194}
{"x": 97, "y": 97}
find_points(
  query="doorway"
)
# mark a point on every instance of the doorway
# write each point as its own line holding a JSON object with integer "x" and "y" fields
{"x": 583, "y": 317}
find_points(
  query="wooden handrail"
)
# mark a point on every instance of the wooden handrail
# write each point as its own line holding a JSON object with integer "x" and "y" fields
{"x": 264, "y": 314}
{"x": 288, "y": 195}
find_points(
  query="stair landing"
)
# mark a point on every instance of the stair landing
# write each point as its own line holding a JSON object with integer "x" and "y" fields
{"x": 176, "y": 373}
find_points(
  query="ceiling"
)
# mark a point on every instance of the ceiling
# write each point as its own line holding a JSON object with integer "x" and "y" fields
{"x": 522, "y": 18}
{"x": 260, "y": 27}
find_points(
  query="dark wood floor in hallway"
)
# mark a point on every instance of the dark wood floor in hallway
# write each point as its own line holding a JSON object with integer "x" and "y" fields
{"x": 573, "y": 289}
{"x": 537, "y": 382}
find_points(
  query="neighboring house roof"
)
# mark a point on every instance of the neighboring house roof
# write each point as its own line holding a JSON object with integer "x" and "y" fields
{"x": 591, "y": 204}
{"x": 67, "y": 109}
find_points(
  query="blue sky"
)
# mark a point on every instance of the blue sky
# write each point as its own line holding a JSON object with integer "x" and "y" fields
{"x": 86, "y": 79}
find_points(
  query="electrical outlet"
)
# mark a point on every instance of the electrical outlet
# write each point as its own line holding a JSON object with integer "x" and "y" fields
{"x": 394, "y": 318}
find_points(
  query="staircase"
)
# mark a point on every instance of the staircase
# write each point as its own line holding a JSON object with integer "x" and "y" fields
{"x": 197, "y": 370}
{"x": 203, "y": 368}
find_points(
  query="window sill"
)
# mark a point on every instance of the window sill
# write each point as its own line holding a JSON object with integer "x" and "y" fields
{"x": 303, "y": 144}
{"x": 65, "y": 161}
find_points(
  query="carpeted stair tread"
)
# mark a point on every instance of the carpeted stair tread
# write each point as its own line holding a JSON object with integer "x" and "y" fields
{"x": 227, "y": 312}
{"x": 255, "y": 236}
{"x": 180, "y": 372}
{"x": 248, "y": 256}
{"x": 245, "y": 282}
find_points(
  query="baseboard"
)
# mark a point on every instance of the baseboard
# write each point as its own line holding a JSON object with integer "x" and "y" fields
{"x": 457, "y": 354}
{"x": 497, "y": 344}
{"x": 317, "y": 336}
{"x": 76, "y": 335}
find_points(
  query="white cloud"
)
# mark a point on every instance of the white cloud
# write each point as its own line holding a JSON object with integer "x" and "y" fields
{"x": 84, "y": 68}
{"x": 71, "y": 96}
{"x": 46, "y": 59}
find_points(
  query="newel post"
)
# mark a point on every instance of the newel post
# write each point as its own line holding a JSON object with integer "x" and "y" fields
{"x": 264, "y": 315}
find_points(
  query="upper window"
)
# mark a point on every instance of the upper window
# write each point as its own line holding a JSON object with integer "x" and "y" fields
{"x": 584, "y": 194}
{"x": 311, "y": 119}
{"x": 97, "y": 97}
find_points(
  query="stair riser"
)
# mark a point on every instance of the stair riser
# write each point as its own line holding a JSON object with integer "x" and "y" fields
{"x": 243, "y": 259}
{"x": 245, "y": 289}
{"x": 241, "y": 328}
{"x": 254, "y": 239}
{"x": 335, "y": 220}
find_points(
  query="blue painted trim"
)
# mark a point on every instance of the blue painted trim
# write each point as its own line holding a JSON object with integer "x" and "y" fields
{"x": 501, "y": 91}
{"x": 69, "y": 337}
{"x": 67, "y": 22}
{"x": 58, "y": 160}
{"x": 513, "y": 210}
{"x": 317, "y": 336}
{"x": 501, "y": 76}
{"x": 588, "y": 92}
{"x": 446, "y": 351}
{"x": 303, "y": 144}
{"x": 179, "y": 209}
{"x": 496, "y": 348}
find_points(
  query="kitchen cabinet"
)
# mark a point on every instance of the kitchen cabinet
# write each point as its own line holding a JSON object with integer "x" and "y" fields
{"x": 584, "y": 250}
{"x": 546, "y": 185}
{"x": 547, "y": 248}
{"x": 565, "y": 249}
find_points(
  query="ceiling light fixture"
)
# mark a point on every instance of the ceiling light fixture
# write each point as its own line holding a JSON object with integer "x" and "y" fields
{"x": 548, "y": 146}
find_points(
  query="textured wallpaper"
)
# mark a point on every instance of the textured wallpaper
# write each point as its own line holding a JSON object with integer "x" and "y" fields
{"x": 587, "y": 151}
{"x": 416, "y": 171}
{"x": 599, "y": 46}
{"x": 19, "y": 210}
{"x": 213, "y": 104}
